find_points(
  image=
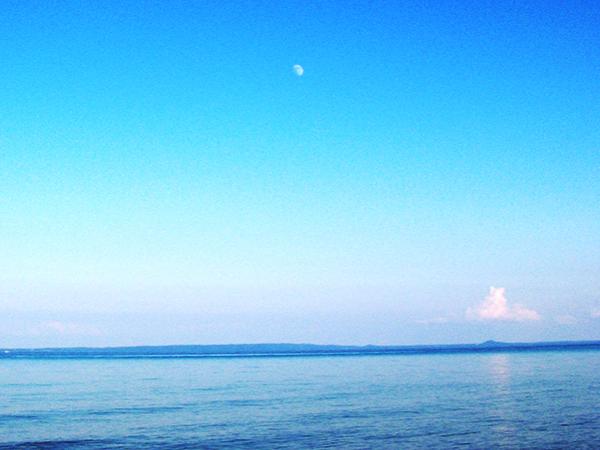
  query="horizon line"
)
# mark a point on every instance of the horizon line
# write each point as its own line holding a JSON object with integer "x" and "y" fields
{"x": 488, "y": 343}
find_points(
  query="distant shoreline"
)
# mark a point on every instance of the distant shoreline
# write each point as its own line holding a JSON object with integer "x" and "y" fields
{"x": 285, "y": 350}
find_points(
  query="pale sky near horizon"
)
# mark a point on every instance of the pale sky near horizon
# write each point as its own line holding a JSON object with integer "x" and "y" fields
{"x": 357, "y": 172}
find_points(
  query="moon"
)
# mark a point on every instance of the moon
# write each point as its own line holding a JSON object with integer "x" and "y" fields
{"x": 298, "y": 69}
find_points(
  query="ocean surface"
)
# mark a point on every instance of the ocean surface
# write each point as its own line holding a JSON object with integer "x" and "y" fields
{"x": 541, "y": 399}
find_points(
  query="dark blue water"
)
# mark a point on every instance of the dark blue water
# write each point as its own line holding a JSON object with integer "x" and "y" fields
{"x": 489, "y": 400}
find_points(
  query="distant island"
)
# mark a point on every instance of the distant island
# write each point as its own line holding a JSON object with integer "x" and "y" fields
{"x": 274, "y": 350}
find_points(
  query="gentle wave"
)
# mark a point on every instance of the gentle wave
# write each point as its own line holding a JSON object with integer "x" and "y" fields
{"x": 473, "y": 400}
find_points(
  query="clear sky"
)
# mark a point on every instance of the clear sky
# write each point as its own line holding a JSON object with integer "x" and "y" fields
{"x": 166, "y": 176}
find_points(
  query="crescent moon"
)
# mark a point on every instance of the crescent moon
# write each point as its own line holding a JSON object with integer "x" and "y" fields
{"x": 298, "y": 69}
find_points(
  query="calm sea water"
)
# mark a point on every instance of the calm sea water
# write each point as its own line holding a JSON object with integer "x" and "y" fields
{"x": 494, "y": 400}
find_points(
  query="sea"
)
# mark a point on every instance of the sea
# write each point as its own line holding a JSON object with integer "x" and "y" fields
{"x": 500, "y": 399}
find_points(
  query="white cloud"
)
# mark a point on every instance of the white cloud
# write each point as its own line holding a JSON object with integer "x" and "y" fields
{"x": 566, "y": 319}
{"x": 435, "y": 320}
{"x": 595, "y": 313}
{"x": 496, "y": 307}
{"x": 65, "y": 328}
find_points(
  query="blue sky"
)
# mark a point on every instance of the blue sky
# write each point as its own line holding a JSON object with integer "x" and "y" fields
{"x": 166, "y": 177}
